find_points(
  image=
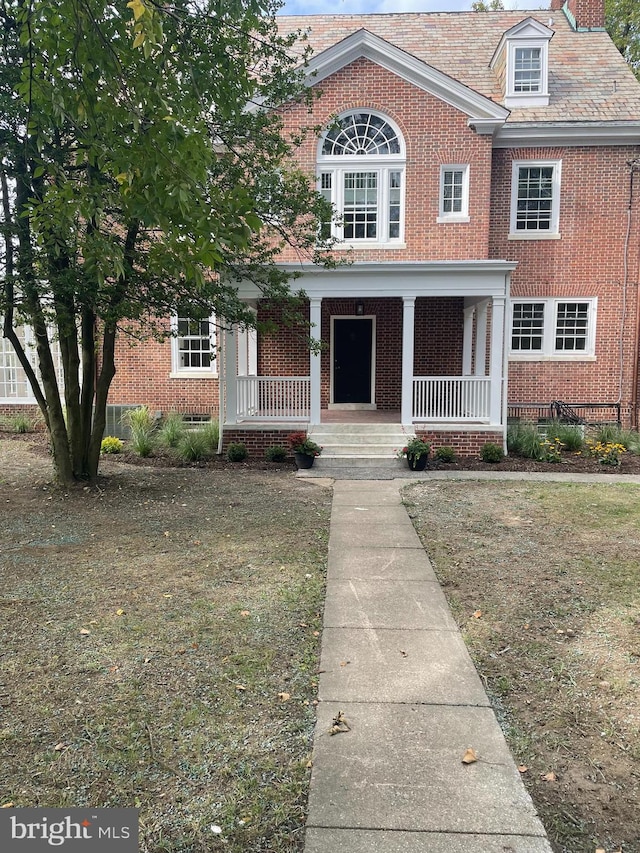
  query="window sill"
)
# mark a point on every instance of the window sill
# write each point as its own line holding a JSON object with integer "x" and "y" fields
{"x": 445, "y": 220}
{"x": 365, "y": 244}
{"x": 535, "y": 235}
{"x": 540, "y": 357}
{"x": 192, "y": 374}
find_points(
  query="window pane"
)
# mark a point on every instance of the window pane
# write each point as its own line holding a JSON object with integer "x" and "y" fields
{"x": 194, "y": 343}
{"x": 361, "y": 133}
{"x": 534, "y": 198}
{"x": 452, "y": 188}
{"x": 528, "y": 326}
{"x": 527, "y": 71}
{"x": 360, "y": 214}
{"x": 572, "y": 320}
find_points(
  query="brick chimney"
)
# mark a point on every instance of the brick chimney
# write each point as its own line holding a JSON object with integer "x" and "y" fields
{"x": 556, "y": 5}
{"x": 588, "y": 14}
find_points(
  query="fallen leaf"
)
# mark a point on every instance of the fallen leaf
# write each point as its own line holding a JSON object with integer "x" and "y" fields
{"x": 340, "y": 724}
{"x": 167, "y": 595}
{"x": 166, "y": 533}
{"x": 549, "y": 777}
{"x": 147, "y": 660}
{"x": 181, "y": 652}
{"x": 308, "y": 765}
{"x": 522, "y": 768}
{"x": 7, "y": 806}
{"x": 284, "y": 697}
{"x": 245, "y": 613}
{"x": 316, "y": 633}
{"x": 240, "y": 687}
{"x": 344, "y": 662}
{"x": 215, "y": 829}
{"x": 470, "y": 756}
{"x": 114, "y": 668}
{"x": 59, "y": 747}
{"x": 84, "y": 631}
{"x": 477, "y": 614}
{"x": 120, "y": 612}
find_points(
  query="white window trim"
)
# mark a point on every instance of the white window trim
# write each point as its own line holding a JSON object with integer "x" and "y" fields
{"x": 553, "y": 233}
{"x": 527, "y": 99}
{"x": 338, "y": 165}
{"x": 462, "y": 215}
{"x": 178, "y": 372}
{"x": 548, "y": 351}
{"x": 382, "y": 168}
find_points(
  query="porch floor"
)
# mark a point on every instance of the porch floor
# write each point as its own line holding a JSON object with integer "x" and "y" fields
{"x": 359, "y": 416}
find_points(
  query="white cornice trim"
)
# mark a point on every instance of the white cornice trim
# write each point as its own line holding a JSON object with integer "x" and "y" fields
{"x": 517, "y": 135}
{"x": 365, "y": 44}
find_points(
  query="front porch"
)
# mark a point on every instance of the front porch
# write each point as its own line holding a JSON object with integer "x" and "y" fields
{"x": 421, "y": 345}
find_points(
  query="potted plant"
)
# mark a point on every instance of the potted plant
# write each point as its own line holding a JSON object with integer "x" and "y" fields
{"x": 416, "y": 451}
{"x": 304, "y": 449}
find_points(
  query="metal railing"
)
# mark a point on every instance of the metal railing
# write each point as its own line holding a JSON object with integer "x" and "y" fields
{"x": 280, "y": 398}
{"x": 451, "y": 398}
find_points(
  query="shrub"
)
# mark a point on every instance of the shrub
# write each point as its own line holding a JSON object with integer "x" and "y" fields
{"x": 571, "y": 437}
{"x": 491, "y": 452}
{"x": 142, "y": 441}
{"x": 143, "y": 426}
{"x": 237, "y": 452}
{"x": 524, "y": 440}
{"x": 612, "y": 434}
{"x": 445, "y": 454}
{"x": 140, "y": 418}
{"x": 211, "y": 434}
{"x": 193, "y": 446}
{"x": 299, "y": 442}
{"x": 172, "y": 429}
{"x": 276, "y": 454}
{"x": 111, "y": 444}
{"x": 21, "y": 423}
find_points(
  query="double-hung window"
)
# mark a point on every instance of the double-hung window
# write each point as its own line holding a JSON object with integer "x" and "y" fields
{"x": 193, "y": 345}
{"x": 454, "y": 194}
{"x": 14, "y": 385}
{"x": 361, "y": 166}
{"x": 556, "y": 328}
{"x": 535, "y": 199}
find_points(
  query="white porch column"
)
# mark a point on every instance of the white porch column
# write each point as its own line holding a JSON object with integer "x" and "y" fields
{"x": 408, "y": 347}
{"x": 496, "y": 362}
{"x": 252, "y": 342}
{"x": 315, "y": 318}
{"x": 480, "y": 366}
{"x": 467, "y": 340}
{"x": 231, "y": 375}
{"x": 243, "y": 352}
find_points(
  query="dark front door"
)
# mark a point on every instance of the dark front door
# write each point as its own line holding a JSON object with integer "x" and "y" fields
{"x": 352, "y": 360}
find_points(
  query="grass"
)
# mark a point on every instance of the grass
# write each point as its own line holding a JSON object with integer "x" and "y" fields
{"x": 169, "y": 624}
{"x": 555, "y": 572}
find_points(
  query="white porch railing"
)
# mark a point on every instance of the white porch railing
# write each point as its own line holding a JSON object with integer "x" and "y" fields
{"x": 451, "y": 398}
{"x": 279, "y": 398}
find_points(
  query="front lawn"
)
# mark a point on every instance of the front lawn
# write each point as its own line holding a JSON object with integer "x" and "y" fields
{"x": 159, "y": 641}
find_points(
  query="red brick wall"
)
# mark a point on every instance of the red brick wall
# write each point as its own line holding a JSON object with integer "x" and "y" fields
{"x": 464, "y": 443}
{"x": 588, "y": 261}
{"x": 435, "y": 133}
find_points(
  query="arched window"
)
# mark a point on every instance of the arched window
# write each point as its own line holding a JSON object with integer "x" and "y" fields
{"x": 361, "y": 163}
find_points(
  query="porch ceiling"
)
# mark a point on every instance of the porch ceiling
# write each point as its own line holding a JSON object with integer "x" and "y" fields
{"x": 410, "y": 278}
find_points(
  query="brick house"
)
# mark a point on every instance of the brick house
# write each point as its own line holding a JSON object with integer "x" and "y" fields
{"x": 485, "y": 168}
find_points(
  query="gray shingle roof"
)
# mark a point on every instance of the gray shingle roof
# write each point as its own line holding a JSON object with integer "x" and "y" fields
{"x": 588, "y": 79}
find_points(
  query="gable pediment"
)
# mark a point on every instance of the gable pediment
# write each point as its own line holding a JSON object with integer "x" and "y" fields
{"x": 484, "y": 114}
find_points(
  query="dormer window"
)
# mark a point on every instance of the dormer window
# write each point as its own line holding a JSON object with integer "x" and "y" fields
{"x": 527, "y": 69}
{"x": 361, "y": 163}
{"x": 522, "y": 61}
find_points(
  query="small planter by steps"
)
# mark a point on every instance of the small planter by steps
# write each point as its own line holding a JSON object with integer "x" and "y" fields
{"x": 304, "y": 449}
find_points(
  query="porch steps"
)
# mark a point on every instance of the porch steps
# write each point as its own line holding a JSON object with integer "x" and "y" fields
{"x": 365, "y": 445}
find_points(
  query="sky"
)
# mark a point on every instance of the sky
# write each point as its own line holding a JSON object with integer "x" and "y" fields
{"x": 356, "y": 7}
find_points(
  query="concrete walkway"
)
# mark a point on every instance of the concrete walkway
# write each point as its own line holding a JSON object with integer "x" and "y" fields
{"x": 395, "y": 667}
